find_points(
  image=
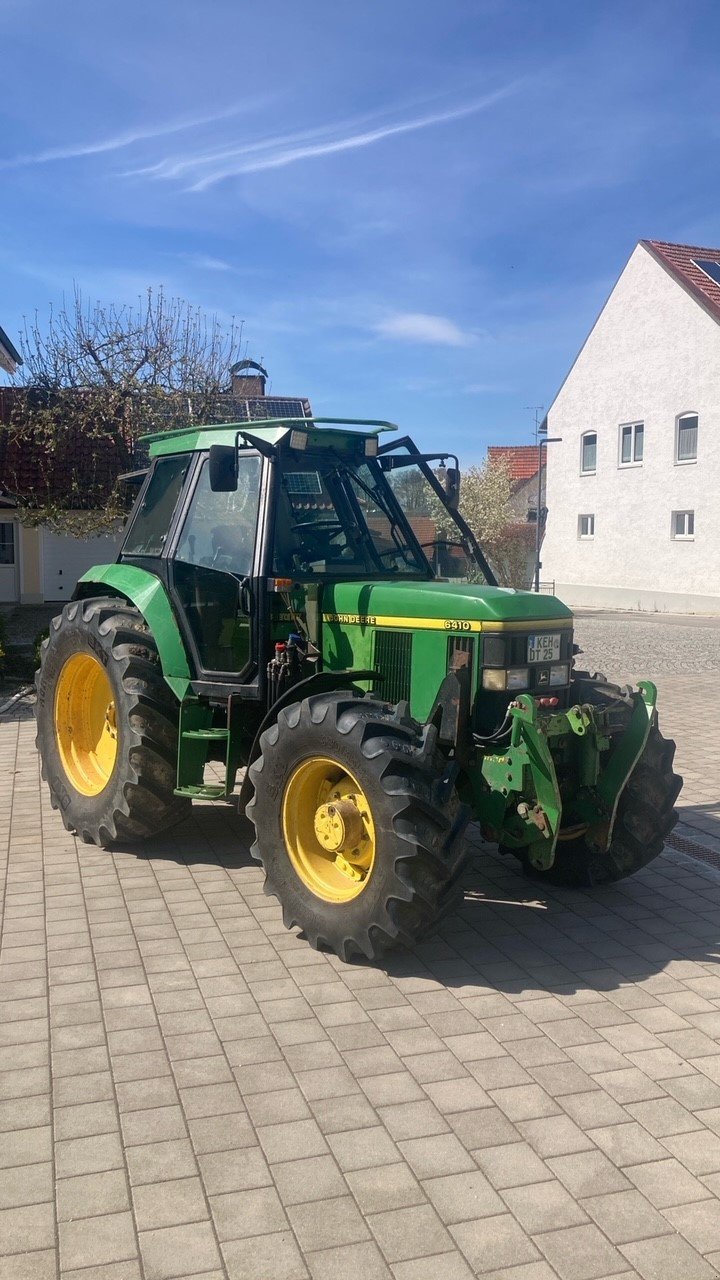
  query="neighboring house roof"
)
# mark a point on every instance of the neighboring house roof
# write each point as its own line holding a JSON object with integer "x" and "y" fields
{"x": 521, "y": 459}
{"x": 681, "y": 260}
{"x": 28, "y": 470}
{"x": 10, "y": 357}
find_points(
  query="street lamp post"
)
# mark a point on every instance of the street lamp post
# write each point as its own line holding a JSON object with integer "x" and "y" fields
{"x": 540, "y": 429}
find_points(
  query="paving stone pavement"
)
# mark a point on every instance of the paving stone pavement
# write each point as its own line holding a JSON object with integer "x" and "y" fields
{"x": 188, "y": 1090}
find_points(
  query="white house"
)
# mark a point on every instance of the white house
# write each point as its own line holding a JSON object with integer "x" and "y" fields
{"x": 633, "y": 488}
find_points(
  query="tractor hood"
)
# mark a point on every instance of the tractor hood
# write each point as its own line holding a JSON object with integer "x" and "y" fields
{"x": 438, "y": 605}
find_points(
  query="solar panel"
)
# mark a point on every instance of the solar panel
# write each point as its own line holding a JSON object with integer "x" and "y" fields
{"x": 711, "y": 268}
{"x": 306, "y": 483}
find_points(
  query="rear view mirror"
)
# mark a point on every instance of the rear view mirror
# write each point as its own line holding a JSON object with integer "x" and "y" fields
{"x": 223, "y": 468}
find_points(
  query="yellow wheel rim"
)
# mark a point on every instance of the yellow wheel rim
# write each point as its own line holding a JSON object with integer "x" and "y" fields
{"x": 328, "y": 829}
{"x": 85, "y": 724}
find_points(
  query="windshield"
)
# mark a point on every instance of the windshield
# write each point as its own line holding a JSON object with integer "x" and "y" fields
{"x": 443, "y": 534}
{"x": 335, "y": 518}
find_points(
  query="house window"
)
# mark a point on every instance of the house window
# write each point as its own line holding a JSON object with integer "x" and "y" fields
{"x": 683, "y": 525}
{"x": 588, "y": 453}
{"x": 686, "y": 439}
{"x": 586, "y": 526}
{"x": 7, "y": 542}
{"x": 632, "y": 439}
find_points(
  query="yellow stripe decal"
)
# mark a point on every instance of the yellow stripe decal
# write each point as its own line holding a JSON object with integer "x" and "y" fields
{"x": 461, "y": 626}
{"x": 529, "y": 624}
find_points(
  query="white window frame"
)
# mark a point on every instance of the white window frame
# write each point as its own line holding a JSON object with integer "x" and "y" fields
{"x": 10, "y": 564}
{"x": 688, "y": 523}
{"x": 590, "y": 517}
{"x": 632, "y": 427}
{"x": 588, "y": 471}
{"x": 685, "y": 462}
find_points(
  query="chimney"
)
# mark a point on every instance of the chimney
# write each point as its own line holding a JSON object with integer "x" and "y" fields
{"x": 248, "y": 380}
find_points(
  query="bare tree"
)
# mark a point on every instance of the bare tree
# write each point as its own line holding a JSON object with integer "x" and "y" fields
{"x": 93, "y": 380}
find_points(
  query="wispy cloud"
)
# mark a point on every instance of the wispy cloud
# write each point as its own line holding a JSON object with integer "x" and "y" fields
{"x": 118, "y": 141}
{"x": 205, "y": 262}
{"x": 205, "y": 168}
{"x": 418, "y": 326}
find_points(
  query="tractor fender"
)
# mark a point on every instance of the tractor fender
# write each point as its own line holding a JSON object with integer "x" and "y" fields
{"x": 320, "y": 682}
{"x": 147, "y": 593}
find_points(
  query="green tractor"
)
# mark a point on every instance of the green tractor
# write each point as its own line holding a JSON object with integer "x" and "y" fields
{"x": 276, "y": 607}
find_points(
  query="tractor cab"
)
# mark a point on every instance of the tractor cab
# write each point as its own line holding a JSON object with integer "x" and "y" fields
{"x": 247, "y": 527}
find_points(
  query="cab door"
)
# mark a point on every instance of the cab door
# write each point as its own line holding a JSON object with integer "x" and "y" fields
{"x": 212, "y": 567}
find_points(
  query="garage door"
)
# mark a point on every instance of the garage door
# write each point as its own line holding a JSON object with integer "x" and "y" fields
{"x": 65, "y": 559}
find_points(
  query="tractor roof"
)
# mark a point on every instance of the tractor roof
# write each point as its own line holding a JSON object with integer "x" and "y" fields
{"x": 268, "y": 431}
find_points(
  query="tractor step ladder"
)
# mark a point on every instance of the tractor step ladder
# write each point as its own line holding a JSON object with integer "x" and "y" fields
{"x": 194, "y": 737}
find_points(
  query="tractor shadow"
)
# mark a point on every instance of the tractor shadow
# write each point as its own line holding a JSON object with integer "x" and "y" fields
{"x": 515, "y": 936}
{"x": 697, "y": 822}
{"x": 510, "y": 935}
{"x": 214, "y": 835}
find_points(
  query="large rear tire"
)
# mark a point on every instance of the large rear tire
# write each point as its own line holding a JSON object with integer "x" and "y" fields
{"x": 107, "y": 724}
{"x": 357, "y": 823}
{"x": 645, "y": 813}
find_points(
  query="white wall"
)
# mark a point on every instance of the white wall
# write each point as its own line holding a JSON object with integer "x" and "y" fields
{"x": 654, "y": 353}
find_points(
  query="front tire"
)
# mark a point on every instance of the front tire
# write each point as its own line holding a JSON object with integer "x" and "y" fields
{"x": 107, "y": 724}
{"x": 357, "y": 823}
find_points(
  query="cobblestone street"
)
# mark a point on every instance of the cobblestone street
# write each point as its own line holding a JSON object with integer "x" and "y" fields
{"x": 681, "y": 655}
{"x": 188, "y": 1090}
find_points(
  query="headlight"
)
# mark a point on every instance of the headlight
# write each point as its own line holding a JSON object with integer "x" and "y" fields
{"x": 518, "y": 678}
{"x": 514, "y": 678}
{"x": 560, "y": 675}
{"x": 494, "y": 680}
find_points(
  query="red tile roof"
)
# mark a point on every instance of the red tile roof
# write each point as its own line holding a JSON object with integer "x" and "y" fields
{"x": 521, "y": 459}
{"x": 680, "y": 261}
{"x": 85, "y": 468}
{"x": 80, "y": 468}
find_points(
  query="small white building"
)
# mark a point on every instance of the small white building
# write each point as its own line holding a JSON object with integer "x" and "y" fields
{"x": 633, "y": 488}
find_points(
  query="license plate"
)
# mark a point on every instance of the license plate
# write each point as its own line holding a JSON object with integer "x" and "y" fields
{"x": 543, "y": 648}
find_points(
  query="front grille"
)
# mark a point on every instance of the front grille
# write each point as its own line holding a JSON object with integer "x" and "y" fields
{"x": 393, "y": 660}
{"x": 509, "y": 649}
{"x": 460, "y": 652}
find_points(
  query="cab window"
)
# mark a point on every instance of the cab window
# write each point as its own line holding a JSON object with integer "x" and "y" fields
{"x": 148, "y": 532}
{"x": 219, "y": 532}
{"x": 214, "y": 554}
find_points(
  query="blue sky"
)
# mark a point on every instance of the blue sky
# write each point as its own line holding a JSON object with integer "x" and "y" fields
{"x": 417, "y": 210}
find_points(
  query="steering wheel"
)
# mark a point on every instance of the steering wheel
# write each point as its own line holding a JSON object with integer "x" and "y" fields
{"x": 403, "y": 552}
